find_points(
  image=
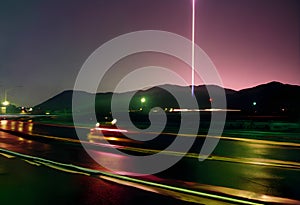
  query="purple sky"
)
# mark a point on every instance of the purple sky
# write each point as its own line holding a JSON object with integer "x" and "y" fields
{"x": 43, "y": 44}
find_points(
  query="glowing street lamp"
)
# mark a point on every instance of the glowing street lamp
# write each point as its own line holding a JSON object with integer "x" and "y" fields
{"x": 143, "y": 100}
{"x": 3, "y": 109}
{"x": 5, "y": 103}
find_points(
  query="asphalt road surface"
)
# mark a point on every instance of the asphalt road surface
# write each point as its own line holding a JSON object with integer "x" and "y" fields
{"x": 243, "y": 168}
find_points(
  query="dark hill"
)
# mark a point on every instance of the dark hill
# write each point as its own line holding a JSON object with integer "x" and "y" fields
{"x": 271, "y": 98}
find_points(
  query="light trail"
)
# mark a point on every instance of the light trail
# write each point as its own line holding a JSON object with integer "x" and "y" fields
{"x": 193, "y": 49}
{"x": 151, "y": 186}
{"x": 218, "y": 195}
{"x": 253, "y": 161}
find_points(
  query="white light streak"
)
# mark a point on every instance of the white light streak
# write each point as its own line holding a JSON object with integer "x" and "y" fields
{"x": 193, "y": 48}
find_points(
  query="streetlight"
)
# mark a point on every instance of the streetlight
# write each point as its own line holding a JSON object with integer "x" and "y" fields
{"x": 143, "y": 100}
{"x": 5, "y": 103}
{"x": 3, "y": 109}
{"x": 254, "y": 106}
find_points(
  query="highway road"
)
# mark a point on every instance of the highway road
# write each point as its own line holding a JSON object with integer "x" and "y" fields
{"x": 23, "y": 182}
{"x": 239, "y": 168}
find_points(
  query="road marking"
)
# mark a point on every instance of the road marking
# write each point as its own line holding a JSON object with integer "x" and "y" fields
{"x": 248, "y": 140}
{"x": 105, "y": 175}
{"x": 226, "y": 194}
{"x": 256, "y": 141}
{"x": 252, "y": 161}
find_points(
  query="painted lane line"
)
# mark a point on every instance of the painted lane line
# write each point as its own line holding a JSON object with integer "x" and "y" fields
{"x": 86, "y": 171}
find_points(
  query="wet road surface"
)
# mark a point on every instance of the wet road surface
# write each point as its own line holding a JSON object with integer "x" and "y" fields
{"x": 254, "y": 166}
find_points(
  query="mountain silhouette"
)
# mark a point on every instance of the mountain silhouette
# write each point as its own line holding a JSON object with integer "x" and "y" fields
{"x": 272, "y": 98}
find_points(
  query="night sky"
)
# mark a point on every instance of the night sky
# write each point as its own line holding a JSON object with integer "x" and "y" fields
{"x": 43, "y": 44}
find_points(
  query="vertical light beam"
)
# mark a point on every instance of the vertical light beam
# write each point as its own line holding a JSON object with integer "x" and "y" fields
{"x": 193, "y": 48}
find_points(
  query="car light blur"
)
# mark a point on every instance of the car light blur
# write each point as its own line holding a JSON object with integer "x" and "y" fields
{"x": 110, "y": 130}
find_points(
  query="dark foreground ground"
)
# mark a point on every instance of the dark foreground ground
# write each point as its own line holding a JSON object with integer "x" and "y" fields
{"x": 27, "y": 184}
